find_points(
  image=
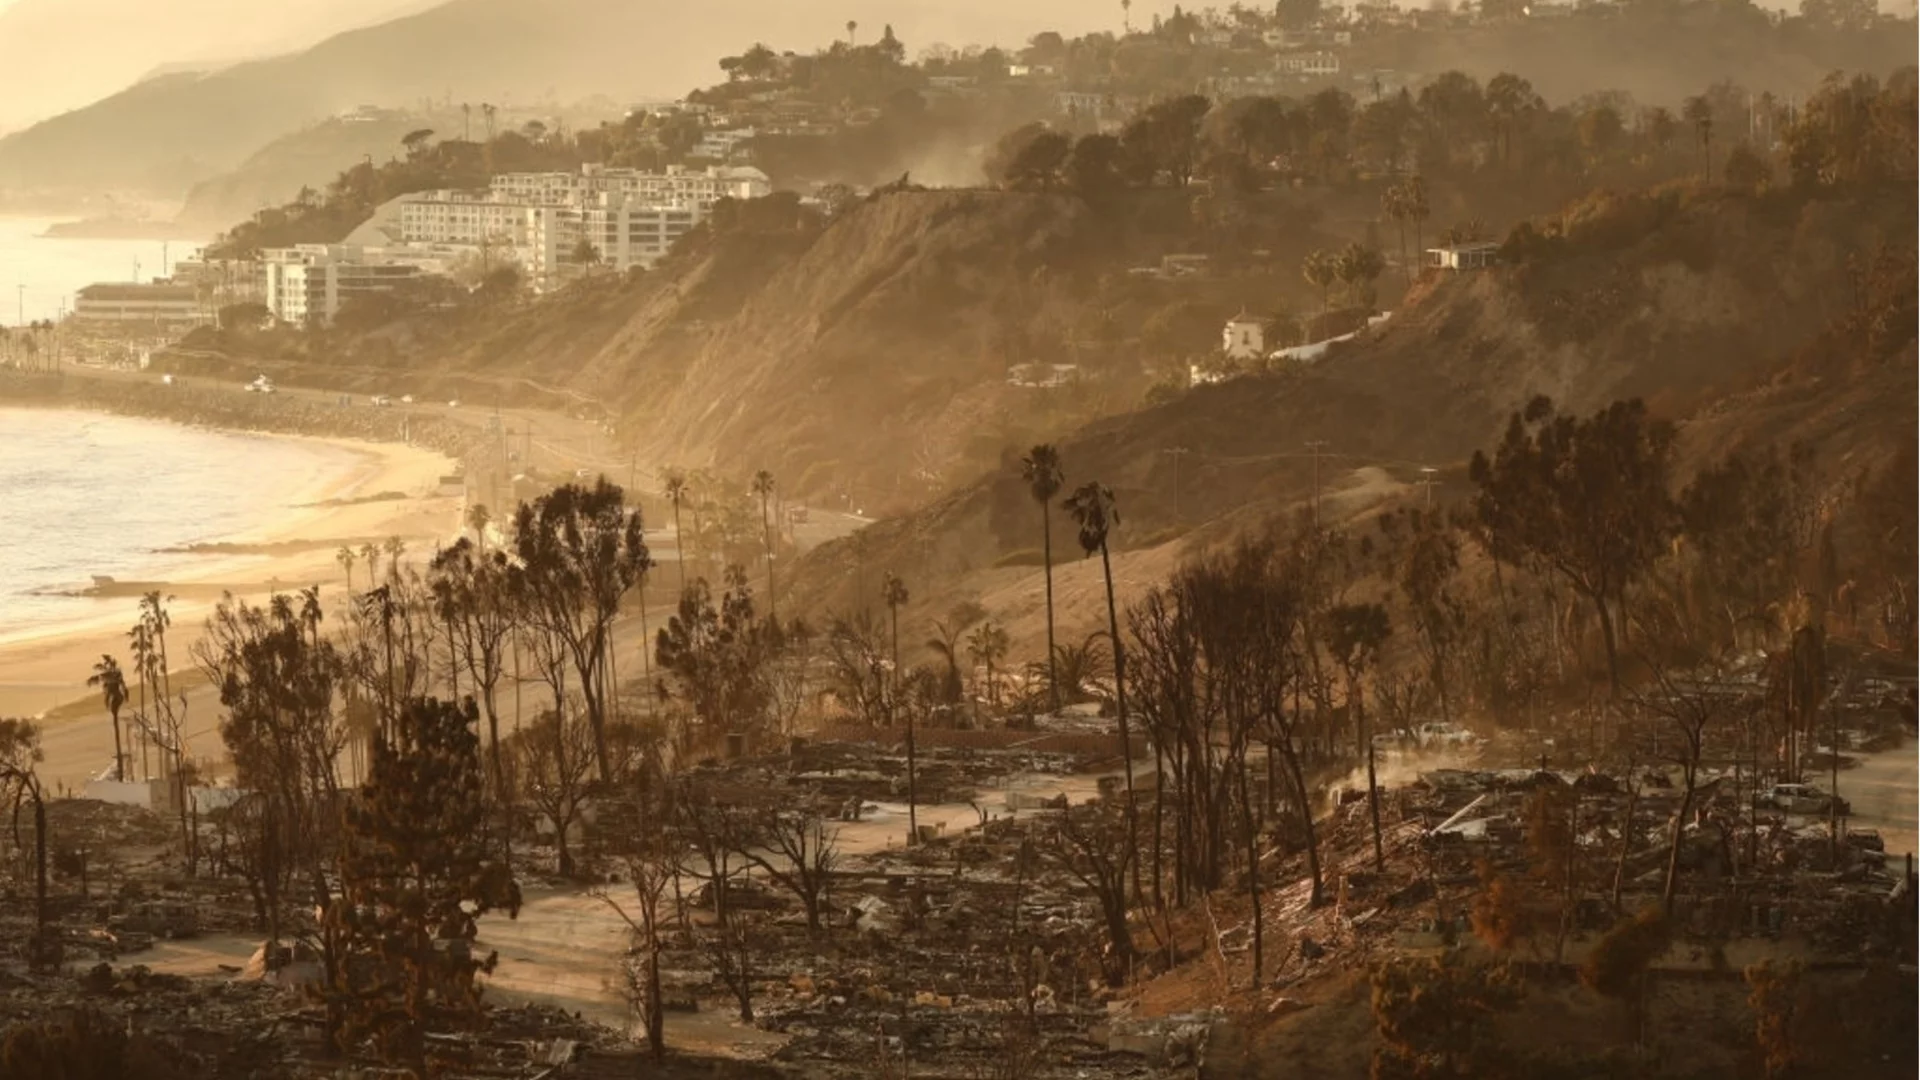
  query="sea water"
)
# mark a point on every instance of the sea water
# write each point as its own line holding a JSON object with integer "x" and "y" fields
{"x": 39, "y": 273}
{"x": 86, "y": 494}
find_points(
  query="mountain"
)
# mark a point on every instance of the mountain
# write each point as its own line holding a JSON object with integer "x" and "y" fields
{"x": 158, "y": 137}
{"x": 57, "y": 55}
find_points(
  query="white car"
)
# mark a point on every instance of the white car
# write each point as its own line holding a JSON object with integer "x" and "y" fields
{"x": 1798, "y": 799}
{"x": 261, "y": 385}
{"x": 1443, "y": 734}
{"x": 406, "y": 399}
{"x": 381, "y": 400}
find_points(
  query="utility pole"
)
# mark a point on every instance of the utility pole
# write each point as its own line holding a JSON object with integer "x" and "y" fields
{"x": 1176, "y": 452}
{"x": 1428, "y": 481}
{"x": 1316, "y": 447}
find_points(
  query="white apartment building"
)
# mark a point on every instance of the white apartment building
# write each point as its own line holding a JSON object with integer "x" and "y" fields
{"x": 307, "y": 285}
{"x": 631, "y": 218}
{"x": 676, "y": 184}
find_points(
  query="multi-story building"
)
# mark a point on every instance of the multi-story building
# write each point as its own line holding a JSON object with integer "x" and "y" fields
{"x": 160, "y": 303}
{"x": 308, "y": 284}
{"x": 629, "y": 218}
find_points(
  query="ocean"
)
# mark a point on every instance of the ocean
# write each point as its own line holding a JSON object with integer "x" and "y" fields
{"x": 84, "y": 494}
{"x": 38, "y": 273}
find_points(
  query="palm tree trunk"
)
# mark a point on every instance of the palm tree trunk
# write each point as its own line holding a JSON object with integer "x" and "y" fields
{"x": 1120, "y": 706}
{"x": 679, "y": 546}
{"x": 1046, "y": 551}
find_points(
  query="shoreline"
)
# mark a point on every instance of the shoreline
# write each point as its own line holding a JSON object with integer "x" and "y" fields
{"x": 43, "y": 671}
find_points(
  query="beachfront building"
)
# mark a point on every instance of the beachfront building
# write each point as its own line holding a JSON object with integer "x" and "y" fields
{"x": 307, "y": 285}
{"x": 159, "y": 304}
{"x": 541, "y": 220}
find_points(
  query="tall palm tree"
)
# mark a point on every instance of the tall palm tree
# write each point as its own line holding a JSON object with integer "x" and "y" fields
{"x": 370, "y": 552}
{"x": 1041, "y": 470}
{"x": 113, "y": 694}
{"x": 1092, "y": 508}
{"x": 478, "y": 518}
{"x": 676, "y": 489}
{"x": 1699, "y": 113}
{"x": 1414, "y": 192}
{"x": 1393, "y": 203}
{"x": 851, "y": 27}
{"x": 1126, "y": 16}
{"x": 985, "y": 646}
{"x": 763, "y": 487}
{"x": 394, "y": 547}
{"x": 345, "y": 557}
{"x": 894, "y": 592}
{"x": 1320, "y": 268}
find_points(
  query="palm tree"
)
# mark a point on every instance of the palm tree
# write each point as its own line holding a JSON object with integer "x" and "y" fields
{"x": 676, "y": 487}
{"x": 1092, "y": 509}
{"x": 345, "y": 557}
{"x": 371, "y": 553}
{"x": 113, "y": 694}
{"x": 851, "y": 27}
{"x": 478, "y": 518}
{"x": 763, "y": 487}
{"x": 1699, "y": 113}
{"x": 894, "y": 592}
{"x": 1319, "y": 268}
{"x": 1126, "y": 16}
{"x": 1393, "y": 203}
{"x": 1414, "y": 192}
{"x": 1044, "y": 477}
{"x": 987, "y": 645}
{"x": 394, "y": 547}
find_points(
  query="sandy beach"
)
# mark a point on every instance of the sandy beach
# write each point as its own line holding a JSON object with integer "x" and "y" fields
{"x": 386, "y": 490}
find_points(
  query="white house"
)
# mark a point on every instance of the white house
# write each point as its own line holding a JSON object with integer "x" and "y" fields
{"x": 1244, "y": 338}
{"x": 1474, "y": 255}
{"x": 1308, "y": 64}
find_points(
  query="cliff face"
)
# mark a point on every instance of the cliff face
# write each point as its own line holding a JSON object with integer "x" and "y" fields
{"x": 1746, "y": 319}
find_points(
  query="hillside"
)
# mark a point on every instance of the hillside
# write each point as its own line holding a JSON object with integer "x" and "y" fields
{"x": 1720, "y": 310}
{"x": 156, "y": 138}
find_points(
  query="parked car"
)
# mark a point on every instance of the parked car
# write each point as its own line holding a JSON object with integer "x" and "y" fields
{"x": 1866, "y": 840}
{"x": 260, "y": 385}
{"x": 1799, "y": 799}
{"x": 381, "y": 400}
{"x": 1443, "y": 734}
{"x": 406, "y": 399}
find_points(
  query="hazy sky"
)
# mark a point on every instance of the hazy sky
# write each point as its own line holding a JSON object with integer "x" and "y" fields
{"x": 57, "y": 55}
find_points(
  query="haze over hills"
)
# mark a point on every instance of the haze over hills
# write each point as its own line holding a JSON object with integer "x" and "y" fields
{"x": 158, "y": 137}
{"x": 53, "y": 56}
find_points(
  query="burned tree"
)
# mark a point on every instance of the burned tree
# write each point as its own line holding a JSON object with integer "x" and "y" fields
{"x": 479, "y": 599}
{"x": 1355, "y": 633}
{"x": 1093, "y": 845}
{"x": 552, "y": 764}
{"x": 20, "y": 786}
{"x": 797, "y": 850}
{"x": 716, "y": 657}
{"x": 277, "y": 677}
{"x": 581, "y": 551}
{"x": 417, "y": 877}
{"x": 1586, "y": 498}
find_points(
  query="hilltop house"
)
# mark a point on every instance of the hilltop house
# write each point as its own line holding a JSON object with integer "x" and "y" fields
{"x": 1244, "y": 338}
{"x": 1473, "y": 255}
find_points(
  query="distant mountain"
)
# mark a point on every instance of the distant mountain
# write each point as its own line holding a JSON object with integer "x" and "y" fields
{"x": 57, "y": 55}
{"x": 159, "y": 137}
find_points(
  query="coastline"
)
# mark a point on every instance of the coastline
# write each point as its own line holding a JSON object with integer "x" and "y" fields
{"x": 43, "y": 673}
